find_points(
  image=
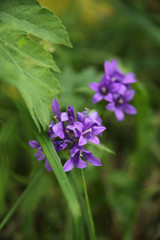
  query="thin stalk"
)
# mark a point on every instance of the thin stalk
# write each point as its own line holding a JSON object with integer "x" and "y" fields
{"x": 88, "y": 207}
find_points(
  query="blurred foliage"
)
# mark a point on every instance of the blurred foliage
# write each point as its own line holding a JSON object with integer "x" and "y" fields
{"x": 125, "y": 192}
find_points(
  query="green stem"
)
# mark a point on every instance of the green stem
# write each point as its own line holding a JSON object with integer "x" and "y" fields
{"x": 88, "y": 207}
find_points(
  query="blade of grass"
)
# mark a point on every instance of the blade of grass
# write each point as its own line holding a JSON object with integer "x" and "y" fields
{"x": 21, "y": 198}
{"x": 61, "y": 176}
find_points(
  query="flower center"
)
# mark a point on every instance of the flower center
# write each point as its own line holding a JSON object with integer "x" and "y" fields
{"x": 81, "y": 155}
{"x": 70, "y": 134}
{"x": 104, "y": 90}
{"x": 120, "y": 101}
{"x": 113, "y": 79}
{"x": 87, "y": 131}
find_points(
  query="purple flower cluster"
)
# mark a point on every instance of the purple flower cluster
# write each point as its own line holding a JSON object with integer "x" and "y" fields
{"x": 115, "y": 88}
{"x": 74, "y": 132}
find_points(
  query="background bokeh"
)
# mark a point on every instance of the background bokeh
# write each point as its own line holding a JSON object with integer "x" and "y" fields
{"x": 125, "y": 192}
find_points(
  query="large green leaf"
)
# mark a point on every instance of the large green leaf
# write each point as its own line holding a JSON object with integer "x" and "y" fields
{"x": 24, "y": 63}
{"x": 30, "y": 17}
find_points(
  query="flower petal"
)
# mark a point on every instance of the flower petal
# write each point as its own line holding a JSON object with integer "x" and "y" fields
{"x": 75, "y": 149}
{"x": 82, "y": 141}
{"x": 80, "y": 117}
{"x": 114, "y": 64}
{"x": 71, "y": 115}
{"x": 34, "y": 144}
{"x": 56, "y": 108}
{"x": 79, "y": 126}
{"x": 109, "y": 97}
{"x": 108, "y": 68}
{"x": 94, "y": 139}
{"x": 97, "y": 97}
{"x": 129, "y": 78}
{"x": 103, "y": 80}
{"x": 64, "y": 116}
{"x": 119, "y": 114}
{"x": 129, "y": 109}
{"x": 88, "y": 123}
{"x": 68, "y": 165}
{"x": 63, "y": 145}
{"x": 48, "y": 166}
{"x": 40, "y": 155}
{"x": 91, "y": 159}
{"x": 58, "y": 130}
{"x": 129, "y": 95}
{"x": 97, "y": 130}
{"x": 111, "y": 106}
{"x": 114, "y": 87}
{"x": 80, "y": 163}
{"x": 94, "y": 86}
{"x": 96, "y": 118}
{"x": 122, "y": 90}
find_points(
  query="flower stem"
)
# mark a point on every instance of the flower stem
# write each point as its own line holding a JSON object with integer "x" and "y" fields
{"x": 88, "y": 207}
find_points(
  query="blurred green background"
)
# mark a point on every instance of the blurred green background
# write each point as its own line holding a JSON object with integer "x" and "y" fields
{"x": 125, "y": 192}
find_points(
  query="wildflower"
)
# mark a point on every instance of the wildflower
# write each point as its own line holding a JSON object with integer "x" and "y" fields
{"x": 40, "y": 154}
{"x": 115, "y": 87}
{"x": 119, "y": 104}
{"x": 77, "y": 152}
{"x": 103, "y": 88}
{"x": 116, "y": 75}
{"x": 58, "y": 128}
{"x": 89, "y": 130}
{"x": 81, "y": 129}
{"x": 74, "y": 131}
{"x": 77, "y": 131}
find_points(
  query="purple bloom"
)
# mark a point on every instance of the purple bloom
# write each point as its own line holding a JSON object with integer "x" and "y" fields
{"x": 119, "y": 104}
{"x": 56, "y": 109}
{"x": 71, "y": 116}
{"x": 96, "y": 118}
{"x": 73, "y": 131}
{"x": 116, "y": 75}
{"x": 115, "y": 88}
{"x": 103, "y": 88}
{"x": 58, "y": 145}
{"x": 57, "y": 130}
{"x": 40, "y": 154}
{"x": 77, "y": 153}
{"x": 89, "y": 131}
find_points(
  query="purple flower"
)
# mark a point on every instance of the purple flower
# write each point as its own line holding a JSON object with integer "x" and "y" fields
{"x": 56, "y": 109}
{"x": 78, "y": 152}
{"x": 89, "y": 131}
{"x": 71, "y": 116}
{"x": 40, "y": 154}
{"x": 74, "y": 131}
{"x": 58, "y": 128}
{"x": 116, "y": 75}
{"x": 115, "y": 87}
{"x": 103, "y": 88}
{"x": 58, "y": 145}
{"x": 119, "y": 104}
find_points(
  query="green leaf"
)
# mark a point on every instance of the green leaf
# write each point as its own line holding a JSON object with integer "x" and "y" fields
{"x": 30, "y": 17}
{"x": 24, "y": 62}
{"x": 35, "y": 82}
{"x": 101, "y": 147}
